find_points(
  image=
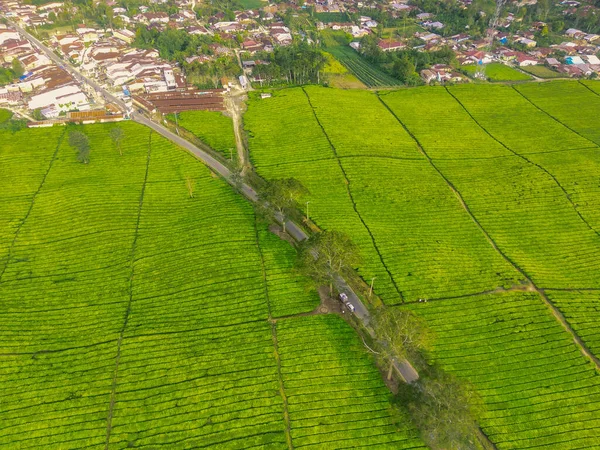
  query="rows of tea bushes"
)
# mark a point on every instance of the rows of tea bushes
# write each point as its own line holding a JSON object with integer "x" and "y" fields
{"x": 539, "y": 391}
{"x": 136, "y": 306}
{"x": 335, "y": 400}
{"x": 569, "y": 102}
{"x": 286, "y": 141}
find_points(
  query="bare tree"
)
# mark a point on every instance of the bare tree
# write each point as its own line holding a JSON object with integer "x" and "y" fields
{"x": 117, "y": 135}
{"x": 190, "y": 184}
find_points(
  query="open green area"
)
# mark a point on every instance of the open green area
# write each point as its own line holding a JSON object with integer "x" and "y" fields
{"x": 251, "y": 4}
{"x": 498, "y": 72}
{"x": 539, "y": 390}
{"x": 569, "y": 102}
{"x": 370, "y": 75}
{"x": 474, "y": 198}
{"x": 542, "y": 72}
{"x": 140, "y": 303}
{"x": 5, "y": 115}
{"x": 213, "y": 128}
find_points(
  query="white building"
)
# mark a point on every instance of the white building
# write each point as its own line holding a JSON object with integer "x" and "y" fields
{"x": 65, "y": 98}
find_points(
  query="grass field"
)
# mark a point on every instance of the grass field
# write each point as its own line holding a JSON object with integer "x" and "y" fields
{"x": 135, "y": 316}
{"x": 498, "y": 72}
{"x": 338, "y": 76}
{"x": 502, "y": 199}
{"x": 213, "y": 128}
{"x": 542, "y": 72}
{"x": 5, "y": 115}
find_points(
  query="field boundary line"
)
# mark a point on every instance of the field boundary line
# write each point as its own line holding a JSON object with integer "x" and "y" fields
{"x": 588, "y": 88}
{"x": 334, "y": 150}
{"x": 57, "y": 350}
{"x": 286, "y": 412}
{"x": 113, "y": 392}
{"x": 552, "y": 117}
{"x": 524, "y": 158}
{"x": 553, "y": 309}
{"x": 31, "y": 204}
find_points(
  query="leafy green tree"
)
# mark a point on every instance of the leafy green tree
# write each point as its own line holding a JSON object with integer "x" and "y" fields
{"x": 445, "y": 409}
{"x": 37, "y": 114}
{"x": 402, "y": 334}
{"x": 80, "y": 141}
{"x": 325, "y": 255}
{"x": 281, "y": 196}
{"x": 17, "y": 68}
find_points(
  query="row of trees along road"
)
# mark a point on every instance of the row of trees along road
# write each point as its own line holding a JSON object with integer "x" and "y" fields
{"x": 444, "y": 408}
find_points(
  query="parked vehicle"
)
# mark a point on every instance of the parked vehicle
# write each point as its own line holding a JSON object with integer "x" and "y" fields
{"x": 346, "y": 302}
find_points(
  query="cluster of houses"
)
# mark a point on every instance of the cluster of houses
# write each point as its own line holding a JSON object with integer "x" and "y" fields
{"x": 43, "y": 85}
{"x": 107, "y": 57}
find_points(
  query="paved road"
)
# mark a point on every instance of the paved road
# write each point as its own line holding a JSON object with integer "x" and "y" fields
{"x": 67, "y": 66}
{"x": 361, "y": 312}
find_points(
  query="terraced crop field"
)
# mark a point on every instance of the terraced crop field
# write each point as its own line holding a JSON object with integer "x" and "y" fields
{"x": 483, "y": 200}
{"x": 213, "y": 128}
{"x": 136, "y": 316}
{"x": 570, "y": 102}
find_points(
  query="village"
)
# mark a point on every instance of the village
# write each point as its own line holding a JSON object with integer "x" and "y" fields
{"x": 230, "y": 47}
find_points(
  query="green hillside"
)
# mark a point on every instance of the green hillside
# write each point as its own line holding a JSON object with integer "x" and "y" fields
{"x": 137, "y": 316}
{"x": 482, "y": 200}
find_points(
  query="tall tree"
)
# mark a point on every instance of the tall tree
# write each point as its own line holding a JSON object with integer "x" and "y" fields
{"x": 325, "y": 255}
{"x": 281, "y": 196}
{"x": 117, "y": 135}
{"x": 80, "y": 141}
{"x": 402, "y": 335}
{"x": 445, "y": 409}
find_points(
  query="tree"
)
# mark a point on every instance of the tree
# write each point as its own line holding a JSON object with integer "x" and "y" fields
{"x": 403, "y": 68}
{"x": 190, "y": 184}
{"x": 281, "y": 196}
{"x": 81, "y": 142}
{"x": 325, "y": 255}
{"x": 117, "y": 135}
{"x": 402, "y": 335}
{"x": 37, "y": 114}
{"x": 445, "y": 409}
{"x": 17, "y": 68}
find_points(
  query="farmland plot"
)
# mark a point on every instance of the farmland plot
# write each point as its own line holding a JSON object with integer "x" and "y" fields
{"x": 539, "y": 390}
{"x": 17, "y": 189}
{"x": 214, "y": 128}
{"x": 582, "y": 311}
{"x": 592, "y": 85}
{"x": 427, "y": 241}
{"x": 135, "y": 315}
{"x": 514, "y": 121}
{"x": 569, "y": 102}
{"x": 64, "y": 292}
{"x": 530, "y": 219}
{"x": 454, "y": 134}
{"x": 369, "y": 130}
{"x": 286, "y": 141}
{"x": 335, "y": 399}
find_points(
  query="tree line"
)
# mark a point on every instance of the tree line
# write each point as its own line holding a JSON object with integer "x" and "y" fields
{"x": 443, "y": 408}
